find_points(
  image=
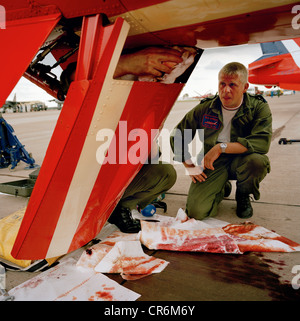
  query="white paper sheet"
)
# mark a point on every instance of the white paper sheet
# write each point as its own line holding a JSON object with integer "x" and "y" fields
{"x": 121, "y": 253}
{"x": 94, "y": 254}
{"x": 65, "y": 282}
{"x": 127, "y": 257}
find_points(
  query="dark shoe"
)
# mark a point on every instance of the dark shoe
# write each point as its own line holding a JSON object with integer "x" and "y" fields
{"x": 122, "y": 218}
{"x": 244, "y": 208}
{"x": 160, "y": 204}
{"x": 227, "y": 189}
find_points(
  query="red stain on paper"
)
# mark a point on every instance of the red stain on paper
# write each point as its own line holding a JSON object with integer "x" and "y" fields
{"x": 103, "y": 295}
{"x": 75, "y": 287}
{"x": 286, "y": 241}
{"x": 136, "y": 265}
{"x": 32, "y": 283}
{"x": 239, "y": 229}
{"x": 108, "y": 289}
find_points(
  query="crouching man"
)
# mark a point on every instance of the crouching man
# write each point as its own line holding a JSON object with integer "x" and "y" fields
{"x": 237, "y": 135}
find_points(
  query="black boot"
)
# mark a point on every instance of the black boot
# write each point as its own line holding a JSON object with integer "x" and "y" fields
{"x": 244, "y": 208}
{"x": 122, "y": 218}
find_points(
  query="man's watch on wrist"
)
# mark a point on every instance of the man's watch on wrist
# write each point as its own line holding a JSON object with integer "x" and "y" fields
{"x": 223, "y": 147}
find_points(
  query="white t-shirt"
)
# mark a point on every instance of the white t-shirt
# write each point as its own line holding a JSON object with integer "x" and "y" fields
{"x": 228, "y": 114}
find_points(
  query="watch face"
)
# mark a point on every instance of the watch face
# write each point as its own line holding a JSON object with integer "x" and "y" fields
{"x": 223, "y": 147}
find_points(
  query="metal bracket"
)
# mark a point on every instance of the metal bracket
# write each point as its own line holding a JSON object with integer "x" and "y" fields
{"x": 286, "y": 141}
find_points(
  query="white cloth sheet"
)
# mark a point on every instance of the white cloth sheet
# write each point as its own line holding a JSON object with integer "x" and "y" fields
{"x": 123, "y": 253}
{"x": 211, "y": 235}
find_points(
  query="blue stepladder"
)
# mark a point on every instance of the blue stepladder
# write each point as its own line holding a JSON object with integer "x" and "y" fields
{"x": 11, "y": 149}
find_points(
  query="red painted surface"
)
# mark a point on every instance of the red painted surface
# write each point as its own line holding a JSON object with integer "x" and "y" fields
{"x": 281, "y": 71}
{"x": 60, "y": 162}
{"x": 19, "y": 46}
{"x": 252, "y": 27}
{"x": 154, "y": 100}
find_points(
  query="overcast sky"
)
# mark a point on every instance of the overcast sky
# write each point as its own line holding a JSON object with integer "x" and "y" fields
{"x": 204, "y": 79}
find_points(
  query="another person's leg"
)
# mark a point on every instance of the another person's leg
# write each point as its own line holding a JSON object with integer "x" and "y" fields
{"x": 151, "y": 181}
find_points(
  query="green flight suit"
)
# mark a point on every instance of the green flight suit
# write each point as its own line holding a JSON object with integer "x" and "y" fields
{"x": 251, "y": 126}
{"x": 151, "y": 181}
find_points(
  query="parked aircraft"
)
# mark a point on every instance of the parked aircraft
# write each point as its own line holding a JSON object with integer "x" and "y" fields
{"x": 279, "y": 65}
{"x": 22, "y": 106}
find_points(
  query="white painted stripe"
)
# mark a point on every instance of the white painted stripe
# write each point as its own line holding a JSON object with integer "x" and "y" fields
{"x": 107, "y": 114}
{"x": 294, "y": 50}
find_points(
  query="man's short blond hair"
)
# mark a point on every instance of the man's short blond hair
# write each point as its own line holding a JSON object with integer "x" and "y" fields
{"x": 235, "y": 68}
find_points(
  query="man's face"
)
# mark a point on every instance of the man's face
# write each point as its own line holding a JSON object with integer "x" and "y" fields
{"x": 231, "y": 90}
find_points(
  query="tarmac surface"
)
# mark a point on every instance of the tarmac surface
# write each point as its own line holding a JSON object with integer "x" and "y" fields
{"x": 202, "y": 276}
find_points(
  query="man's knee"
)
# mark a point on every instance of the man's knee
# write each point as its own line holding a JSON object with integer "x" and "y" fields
{"x": 195, "y": 211}
{"x": 166, "y": 174}
{"x": 257, "y": 165}
{"x": 170, "y": 174}
{"x": 200, "y": 209}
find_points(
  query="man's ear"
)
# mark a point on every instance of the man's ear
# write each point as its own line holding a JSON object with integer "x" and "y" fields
{"x": 246, "y": 87}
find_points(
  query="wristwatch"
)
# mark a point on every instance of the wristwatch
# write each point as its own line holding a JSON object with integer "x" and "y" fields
{"x": 223, "y": 147}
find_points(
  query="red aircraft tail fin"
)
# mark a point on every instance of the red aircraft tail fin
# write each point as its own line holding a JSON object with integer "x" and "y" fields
{"x": 278, "y": 66}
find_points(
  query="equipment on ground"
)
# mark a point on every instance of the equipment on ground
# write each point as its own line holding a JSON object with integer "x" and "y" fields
{"x": 286, "y": 141}
{"x": 3, "y": 293}
{"x": 11, "y": 150}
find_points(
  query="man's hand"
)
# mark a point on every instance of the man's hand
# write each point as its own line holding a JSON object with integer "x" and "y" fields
{"x": 196, "y": 172}
{"x": 211, "y": 156}
{"x": 149, "y": 61}
{"x": 215, "y": 152}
